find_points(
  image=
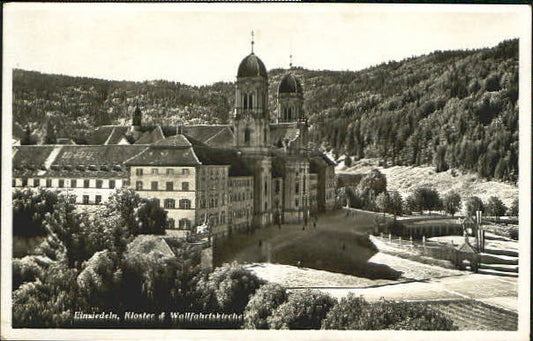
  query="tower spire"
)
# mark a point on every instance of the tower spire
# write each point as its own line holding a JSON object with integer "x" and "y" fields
{"x": 252, "y": 41}
{"x": 290, "y": 62}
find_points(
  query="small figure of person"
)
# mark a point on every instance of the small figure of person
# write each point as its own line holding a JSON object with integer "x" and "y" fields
{"x": 260, "y": 242}
{"x": 303, "y": 227}
{"x": 299, "y": 264}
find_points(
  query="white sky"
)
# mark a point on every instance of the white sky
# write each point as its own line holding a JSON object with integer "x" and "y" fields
{"x": 204, "y": 43}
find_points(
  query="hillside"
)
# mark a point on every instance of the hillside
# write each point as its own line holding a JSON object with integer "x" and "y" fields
{"x": 451, "y": 109}
{"x": 405, "y": 179}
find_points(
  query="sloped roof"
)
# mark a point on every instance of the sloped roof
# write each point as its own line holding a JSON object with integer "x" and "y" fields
{"x": 165, "y": 156}
{"x": 203, "y": 132}
{"x": 223, "y": 139}
{"x": 113, "y": 134}
{"x": 73, "y": 160}
{"x": 151, "y": 136}
{"x": 220, "y": 156}
{"x": 175, "y": 141}
{"x": 103, "y": 134}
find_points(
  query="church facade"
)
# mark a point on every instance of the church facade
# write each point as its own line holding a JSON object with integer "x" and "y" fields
{"x": 257, "y": 170}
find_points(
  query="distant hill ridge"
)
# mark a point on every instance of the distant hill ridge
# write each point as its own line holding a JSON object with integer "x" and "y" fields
{"x": 449, "y": 109}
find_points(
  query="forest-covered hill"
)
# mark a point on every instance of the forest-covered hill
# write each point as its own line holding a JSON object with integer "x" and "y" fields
{"x": 452, "y": 109}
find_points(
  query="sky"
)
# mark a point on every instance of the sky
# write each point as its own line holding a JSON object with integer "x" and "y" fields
{"x": 201, "y": 44}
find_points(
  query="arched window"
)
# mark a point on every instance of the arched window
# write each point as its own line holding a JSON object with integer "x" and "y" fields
{"x": 289, "y": 114}
{"x": 250, "y": 101}
{"x": 247, "y": 135}
{"x": 245, "y": 101}
{"x": 265, "y": 132}
{"x": 185, "y": 203}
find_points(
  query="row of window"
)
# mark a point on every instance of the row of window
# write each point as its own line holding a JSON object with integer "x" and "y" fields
{"x": 86, "y": 200}
{"x": 62, "y": 183}
{"x": 214, "y": 218}
{"x": 241, "y": 196}
{"x": 154, "y": 186}
{"x": 240, "y": 213}
{"x": 183, "y": 224}
{"x": 171, "y": 203}
{"x": 241, "y": 183}
{"x": 212, "y": 202}
{"x": 168, "y": 171}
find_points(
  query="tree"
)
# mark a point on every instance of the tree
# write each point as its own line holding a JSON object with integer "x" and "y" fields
{"x": 495, "y": 207}
{"x": 151, "y": 217}
{"x": 262, "y": 304}
{"x": 383, "y": 202}
{"x": 125, "y": 202}
{"x": 346, "y": 314}
{"x": 452, "y": 203}
{"x": 396, "y": 203}
{"x": 424, "y": 199}
{"x": 474, "y": 204}
{"x": 231, "y": 286}
{"x": 48, "y": 302}
{"x": 303, "y": 310}
{"x": 356, "y": 314}
{"x": 30, "y": 209}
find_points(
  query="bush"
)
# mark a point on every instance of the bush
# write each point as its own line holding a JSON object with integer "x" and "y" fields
{"x": 495, "y": 207}
{"x": 474, "y": 204}
{"x": 424, "y": 199}
{"x": 346, "y": 314}
{"x": 303, "y": 310}
{"x": 29, "y": 210}
{"x": 513, "y": 233}
{"x": 354, "y": 313}
{"x": 152, "y": 218}
{"x": 229, "y": 287}
{"x": 262, "y": 304}
{"x": 452, "y": 203}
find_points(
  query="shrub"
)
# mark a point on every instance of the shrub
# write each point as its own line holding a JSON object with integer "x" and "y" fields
{"x": 424, "y": 199}
{"x": 495, "y": 207}
{"x": 346, "y": 314}
{"x": 474, "y": 204}
{"x": 231, "y": 286}
{"x": 303, "y": 310}
{"x": 452, "y": 203}
{"x": 262, "y": 304}
{"x": 354, "y": 313}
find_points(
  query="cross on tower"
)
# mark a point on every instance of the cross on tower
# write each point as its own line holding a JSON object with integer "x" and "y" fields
{"x": 290, "y": 63}
{"x": 252, "y": 41}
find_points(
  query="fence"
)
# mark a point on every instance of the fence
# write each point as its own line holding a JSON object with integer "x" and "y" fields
{"x": 437, "y": 250}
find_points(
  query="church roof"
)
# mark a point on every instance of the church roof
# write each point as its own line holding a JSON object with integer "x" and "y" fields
{"x": 252, "y": 66}
{"x": 212, "y": 135}
{"x": 290, "y": 84}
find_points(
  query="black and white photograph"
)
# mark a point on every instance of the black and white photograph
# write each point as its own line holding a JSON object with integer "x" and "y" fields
{"x": 266, "y": 171}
